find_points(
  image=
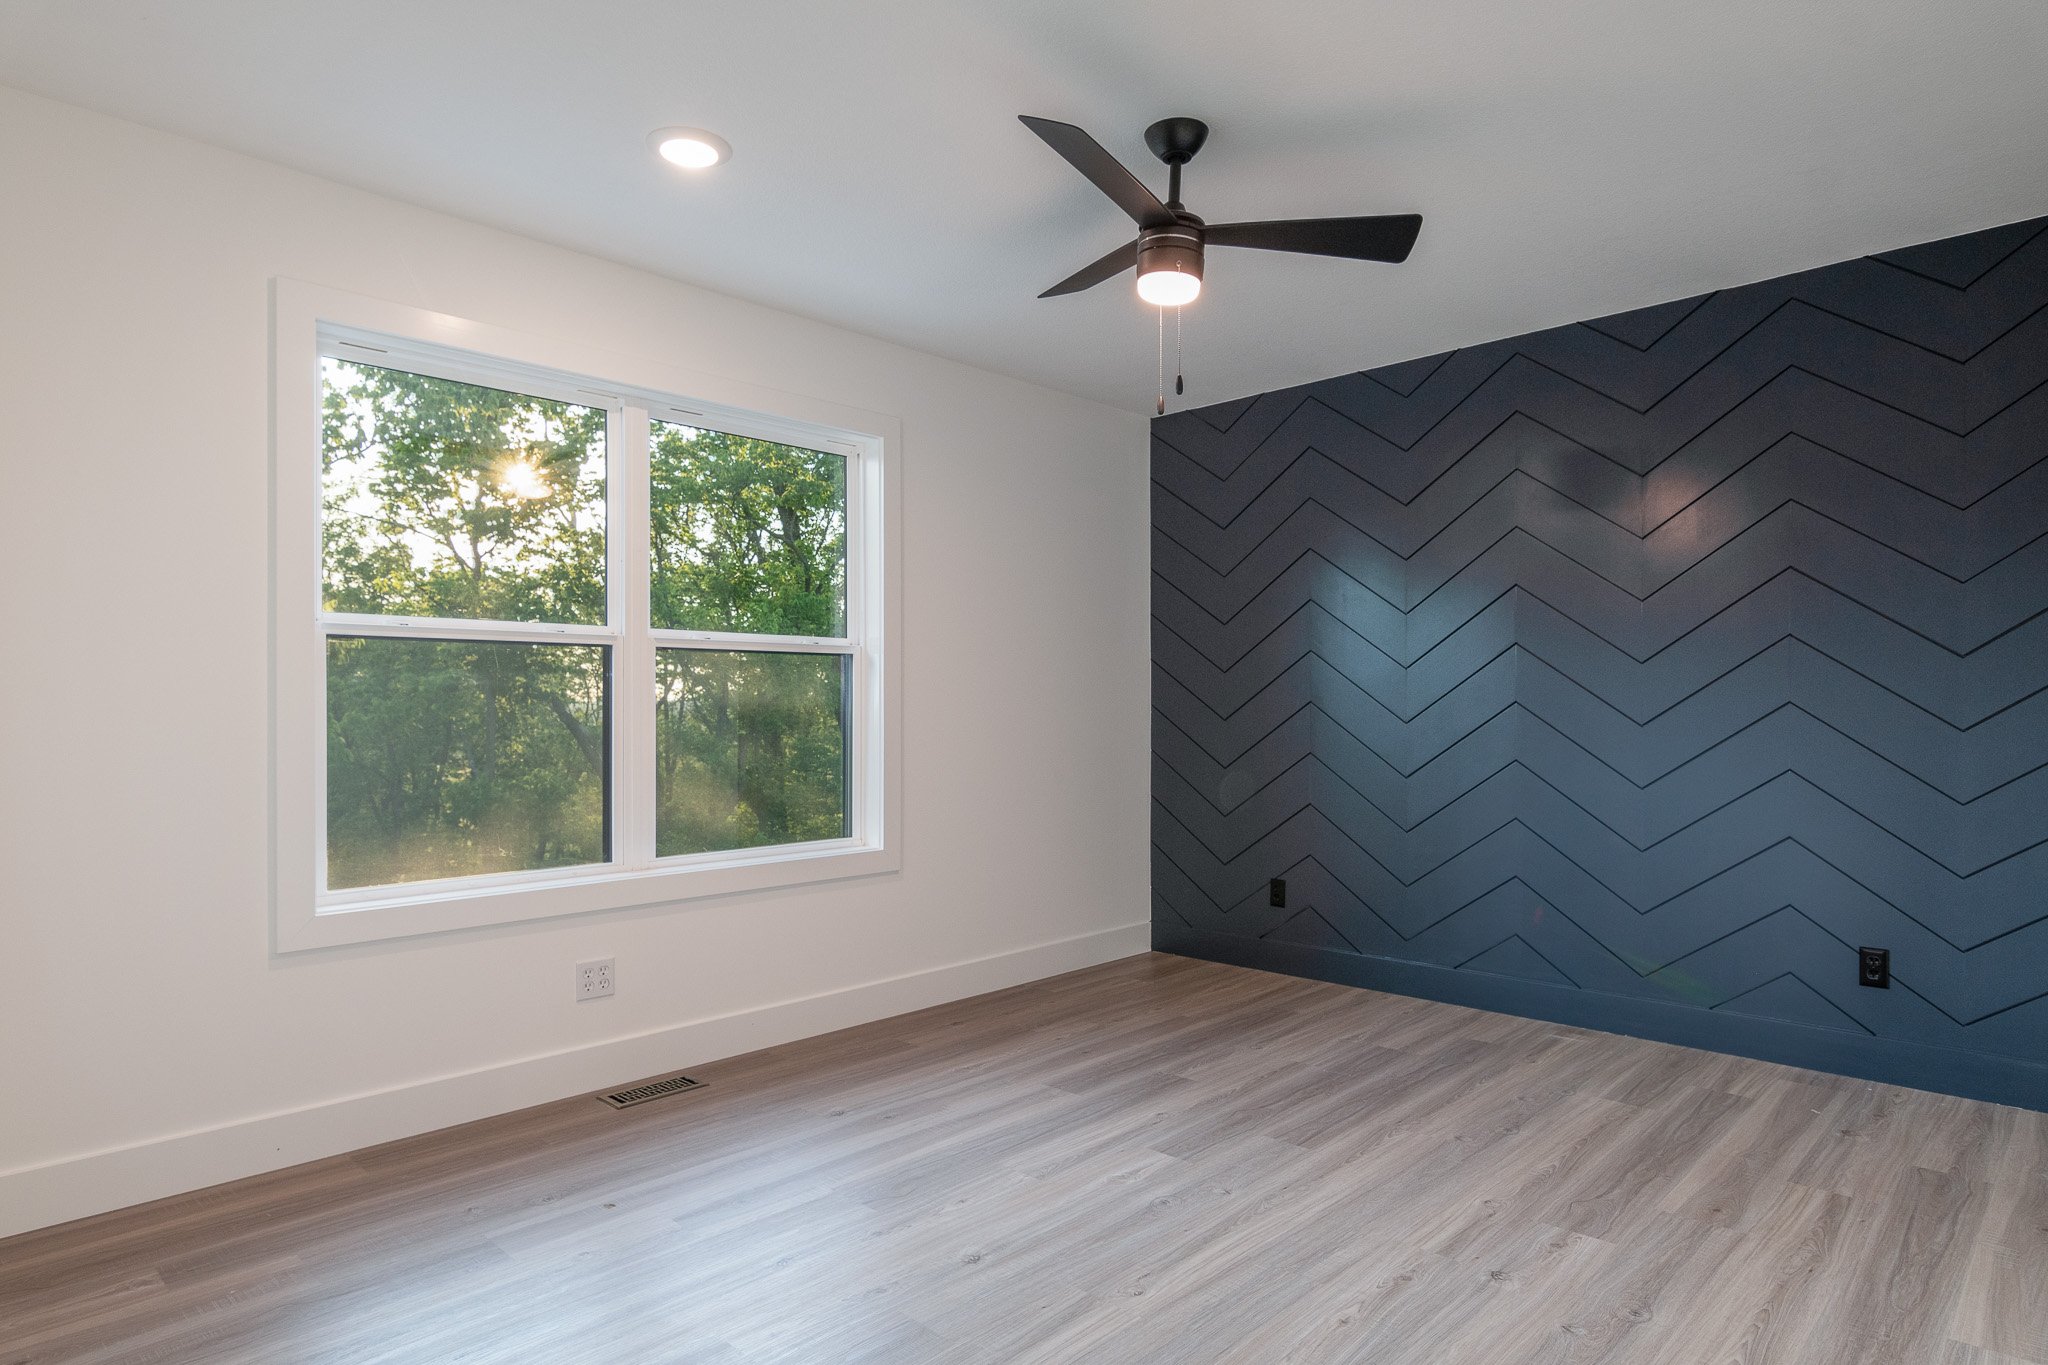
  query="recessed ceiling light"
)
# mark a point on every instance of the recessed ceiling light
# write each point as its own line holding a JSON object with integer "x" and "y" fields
{"x": 691, "y": 148}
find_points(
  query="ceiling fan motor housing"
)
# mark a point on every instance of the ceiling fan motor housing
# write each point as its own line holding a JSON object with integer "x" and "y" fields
{"x": 1174, "y": 248}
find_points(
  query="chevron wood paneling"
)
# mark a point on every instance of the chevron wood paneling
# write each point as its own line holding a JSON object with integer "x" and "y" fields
{"x": 1635, "y": 672}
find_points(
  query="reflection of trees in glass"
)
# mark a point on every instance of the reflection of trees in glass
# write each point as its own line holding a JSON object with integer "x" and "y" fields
{"x": 749, "y": 535}
{"x": 448, "y": 499}
{"x": 452, "y": 757}
{"x": 750, "y": 750}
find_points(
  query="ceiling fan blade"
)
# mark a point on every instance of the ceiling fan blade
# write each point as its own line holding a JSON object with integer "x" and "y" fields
{"x": 1384, "y": 237}
{"x": 1091, "y": 159}
{"x": 1088, "y": 276}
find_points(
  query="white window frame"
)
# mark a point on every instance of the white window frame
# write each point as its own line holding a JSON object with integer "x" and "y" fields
{"x": 308, "y": 322}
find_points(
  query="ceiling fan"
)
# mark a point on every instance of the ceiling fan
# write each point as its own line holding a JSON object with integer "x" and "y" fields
{"x": 1170, "y": 241}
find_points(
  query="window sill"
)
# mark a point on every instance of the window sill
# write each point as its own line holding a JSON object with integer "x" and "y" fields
{"x": 404, "y": 912}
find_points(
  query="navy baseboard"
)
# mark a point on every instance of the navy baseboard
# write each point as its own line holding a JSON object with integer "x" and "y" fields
{"x": 1891, "y": 1061}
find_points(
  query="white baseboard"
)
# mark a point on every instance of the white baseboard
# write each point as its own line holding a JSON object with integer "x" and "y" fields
{"x": 94, "y": 1182}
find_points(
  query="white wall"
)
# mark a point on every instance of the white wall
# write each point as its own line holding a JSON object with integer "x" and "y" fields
{"x": 149, "y": 1040}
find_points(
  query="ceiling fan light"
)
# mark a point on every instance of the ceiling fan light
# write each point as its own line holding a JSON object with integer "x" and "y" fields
{"x": 1169, "y": 288}
{"x": 1170, "y": 265}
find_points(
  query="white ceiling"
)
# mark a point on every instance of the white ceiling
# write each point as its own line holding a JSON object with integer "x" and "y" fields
{"x": 1571, "y": 157}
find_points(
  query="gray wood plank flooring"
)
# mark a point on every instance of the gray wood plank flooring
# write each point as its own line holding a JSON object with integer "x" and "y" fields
{"x": 1158, "y": 1160}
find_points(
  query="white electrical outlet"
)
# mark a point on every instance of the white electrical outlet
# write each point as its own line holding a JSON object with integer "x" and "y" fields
{"x": 593, "y": 979}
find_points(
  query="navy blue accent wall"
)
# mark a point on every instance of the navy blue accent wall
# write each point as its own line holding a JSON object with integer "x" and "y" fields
{"x": 1633, "y": 673}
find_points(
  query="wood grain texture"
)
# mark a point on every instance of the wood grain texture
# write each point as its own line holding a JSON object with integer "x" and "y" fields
{"x": 1156, "y": 1160}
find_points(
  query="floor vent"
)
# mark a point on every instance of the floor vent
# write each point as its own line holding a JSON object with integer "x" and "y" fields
{"x": 653, "y": 1090}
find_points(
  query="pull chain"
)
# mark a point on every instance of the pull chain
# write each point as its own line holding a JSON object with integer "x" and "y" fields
{"x": 1162, "y": 362}
{"x": 1179, "y": 384}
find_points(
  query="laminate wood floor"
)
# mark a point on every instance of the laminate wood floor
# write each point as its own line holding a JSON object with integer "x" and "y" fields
{"x": 1155, "y": 1160}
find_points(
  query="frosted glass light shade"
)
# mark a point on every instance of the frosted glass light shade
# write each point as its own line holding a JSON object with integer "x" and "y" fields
{"x": 1169, "y": 288}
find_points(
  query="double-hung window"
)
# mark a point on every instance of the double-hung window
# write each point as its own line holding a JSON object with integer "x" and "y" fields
{"x": 555, "y": 639}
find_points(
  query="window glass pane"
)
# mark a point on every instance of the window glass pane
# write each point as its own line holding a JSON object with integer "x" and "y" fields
{"x": 452, "y": 757}
{"x": 750, "y": 749}
{"x": 447, "y": 499}
{"x": 748, "y": 535}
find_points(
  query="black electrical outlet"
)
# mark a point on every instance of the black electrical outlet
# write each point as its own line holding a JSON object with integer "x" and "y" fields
{"x": 1874, "y": 967}
{"x": 1276, "y": 891}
